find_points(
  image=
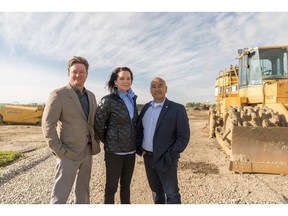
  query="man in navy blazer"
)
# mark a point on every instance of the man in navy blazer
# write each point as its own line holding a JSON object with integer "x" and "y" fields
{"x": 163, "y": 133}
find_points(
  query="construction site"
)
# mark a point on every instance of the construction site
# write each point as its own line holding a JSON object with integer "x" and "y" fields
{"x": 204, "y": 176}
{"x": 237, "y": 154}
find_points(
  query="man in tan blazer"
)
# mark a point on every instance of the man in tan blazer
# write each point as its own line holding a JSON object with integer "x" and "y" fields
{"x": 67, "y": 126}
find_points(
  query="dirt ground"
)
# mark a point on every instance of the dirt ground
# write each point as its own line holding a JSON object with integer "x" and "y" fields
{"x": 203, "y": 176}
{"x": 20, "y": 137}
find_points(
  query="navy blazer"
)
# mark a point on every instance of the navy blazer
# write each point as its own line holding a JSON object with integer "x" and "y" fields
{"x": 172, "y": 134}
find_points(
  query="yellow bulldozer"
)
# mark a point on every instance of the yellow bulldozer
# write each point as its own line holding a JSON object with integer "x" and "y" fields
{"x": 250, "y": 117}
{"x": 21, "y": 114}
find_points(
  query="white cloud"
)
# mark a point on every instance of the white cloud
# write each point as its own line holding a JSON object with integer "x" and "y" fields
{"x": 186, "y": 49}
{"x": 142, "y": 6}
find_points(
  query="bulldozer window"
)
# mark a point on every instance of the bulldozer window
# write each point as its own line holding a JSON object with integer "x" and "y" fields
{"x": 273, "y": 63}
{"x": 266, "y": 66}
{"x": 242, "y": 73}
{"x": 254, "y": 72}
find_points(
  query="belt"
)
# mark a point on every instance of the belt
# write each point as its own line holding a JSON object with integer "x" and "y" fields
{"x": 148, "y": 152}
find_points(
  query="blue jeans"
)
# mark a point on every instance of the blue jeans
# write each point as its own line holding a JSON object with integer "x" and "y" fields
{"x": 164, "y": 185}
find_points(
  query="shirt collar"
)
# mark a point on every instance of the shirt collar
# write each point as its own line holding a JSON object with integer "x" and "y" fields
{"x": 121, "y": 94}
{"x": 154, "y": 104}
{"x": 77, "y": 90}
{"x": 128, "y": 93}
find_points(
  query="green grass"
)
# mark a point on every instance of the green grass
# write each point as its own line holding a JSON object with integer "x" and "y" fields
{"x": 7, "y": 157}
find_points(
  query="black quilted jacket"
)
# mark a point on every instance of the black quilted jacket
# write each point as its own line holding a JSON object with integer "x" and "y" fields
{"x": 113, "y": 125}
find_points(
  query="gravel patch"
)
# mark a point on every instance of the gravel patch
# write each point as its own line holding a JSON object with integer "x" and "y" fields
{"x": 204, "y": 177}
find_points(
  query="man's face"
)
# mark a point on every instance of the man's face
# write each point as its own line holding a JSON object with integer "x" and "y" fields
{"x": 158, "y": 90}
{"x": 77, "y": 75}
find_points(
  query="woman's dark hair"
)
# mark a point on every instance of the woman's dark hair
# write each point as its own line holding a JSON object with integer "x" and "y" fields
{"x": 114, "y": 76}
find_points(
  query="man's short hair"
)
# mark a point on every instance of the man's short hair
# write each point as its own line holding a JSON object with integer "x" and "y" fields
{"x": 78, "y": 60}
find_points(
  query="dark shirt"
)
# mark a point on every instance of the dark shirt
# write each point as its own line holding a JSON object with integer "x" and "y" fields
{"x": 83, "y": 98}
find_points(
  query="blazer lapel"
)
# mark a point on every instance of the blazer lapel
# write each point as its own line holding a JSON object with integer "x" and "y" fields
{"x": 144, "y": 109}
{"x": 75, "y": 99}
{"x": 162, "y": 113}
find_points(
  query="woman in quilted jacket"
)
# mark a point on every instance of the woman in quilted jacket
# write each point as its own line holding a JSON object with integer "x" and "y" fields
{"x": 115, "y": 126}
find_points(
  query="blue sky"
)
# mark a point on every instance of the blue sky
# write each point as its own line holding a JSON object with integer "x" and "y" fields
{"x": 187, "y": 49}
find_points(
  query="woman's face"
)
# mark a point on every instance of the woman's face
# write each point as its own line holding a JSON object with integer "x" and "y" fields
{"x": 123, "y": 81}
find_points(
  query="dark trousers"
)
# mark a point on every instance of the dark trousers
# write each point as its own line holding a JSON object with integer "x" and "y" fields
{"x": 118, "y": 167}
{"x": 164, "y": 185}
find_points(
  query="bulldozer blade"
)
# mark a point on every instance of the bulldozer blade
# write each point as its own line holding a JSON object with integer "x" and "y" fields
{"x": 259, "y": 150}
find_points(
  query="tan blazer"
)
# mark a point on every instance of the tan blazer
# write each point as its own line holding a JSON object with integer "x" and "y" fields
{"x": 64, "y": 125}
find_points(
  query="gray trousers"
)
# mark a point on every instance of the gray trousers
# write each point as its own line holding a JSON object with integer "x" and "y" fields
{"x": 69, "y": 173}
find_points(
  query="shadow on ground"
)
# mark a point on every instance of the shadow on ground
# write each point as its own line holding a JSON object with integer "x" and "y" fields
{"x": 199, "y": 167}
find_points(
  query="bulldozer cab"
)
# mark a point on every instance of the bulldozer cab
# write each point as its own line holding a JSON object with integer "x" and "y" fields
{"x": 264, "y": 63}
